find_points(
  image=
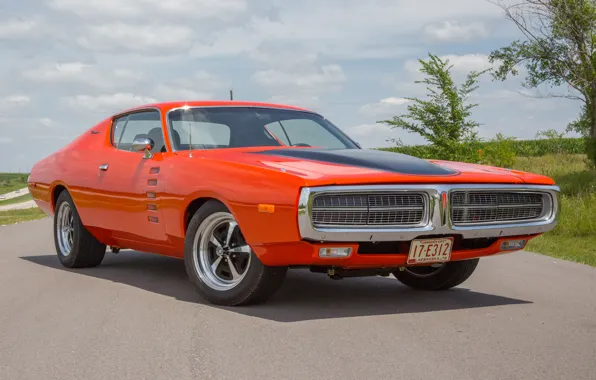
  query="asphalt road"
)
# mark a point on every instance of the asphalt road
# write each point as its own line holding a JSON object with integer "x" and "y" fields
{"x": 521, "y": 316}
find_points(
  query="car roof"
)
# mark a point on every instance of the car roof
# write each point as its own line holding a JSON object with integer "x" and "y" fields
{"x": 166, "y": 106}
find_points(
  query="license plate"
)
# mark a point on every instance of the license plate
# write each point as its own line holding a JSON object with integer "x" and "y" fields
{"x": 429, "y": 251}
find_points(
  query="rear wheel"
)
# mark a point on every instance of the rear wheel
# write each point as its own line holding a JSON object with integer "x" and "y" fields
{"x": 75, "y": 246}
{"x": 221, "y": 265}
{"x": 437, "y": 277}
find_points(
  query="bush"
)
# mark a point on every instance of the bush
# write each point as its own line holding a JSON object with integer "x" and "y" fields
{"x": 521, "y": 148}
{"x": 443, "y": 117}
{"x": 499, "y": 152}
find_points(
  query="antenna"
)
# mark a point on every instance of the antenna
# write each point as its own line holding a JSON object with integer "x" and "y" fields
{"x": 231, "y": 94}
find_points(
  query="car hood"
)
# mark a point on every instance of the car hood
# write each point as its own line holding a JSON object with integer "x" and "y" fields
{"x": 367, "y": 166}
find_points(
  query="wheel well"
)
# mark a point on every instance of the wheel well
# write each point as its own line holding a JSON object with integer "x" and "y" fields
{"x": 56, "y": 193}
{"x": 193, "y": 207}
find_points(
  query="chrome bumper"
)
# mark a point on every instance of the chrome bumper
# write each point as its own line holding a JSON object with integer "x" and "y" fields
{"x": 438, "y": 221}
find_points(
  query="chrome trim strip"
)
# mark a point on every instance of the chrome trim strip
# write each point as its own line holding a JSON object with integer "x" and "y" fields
{"x": 504, "y": 206}
{"x": 437, "y": 219}
{"x": 546, "y": 205}
{"x": 369, "y": 210}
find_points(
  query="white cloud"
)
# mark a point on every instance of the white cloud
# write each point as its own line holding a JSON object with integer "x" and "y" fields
{"x": 6, "y": 140}
{"x": 177, "y": 93}
{"x": 83, "y": 73}
{"x": 311, "y": 102}
{"x": 300, "y": 86}
{"x": 393, "y": 101}
{"x": 461, "y": 63}
{"x": 468, "y": 62}
{"x": 224, "y": 41}
{"x": 57, "y": 71}
{"x": 198, "y": 86}
{"x": 378, "y": 135}
{"x": 110, "y": 103}
{"x": 204, "y": 81}
{"x": 340, "y": 29}
{"x": 385, "y": 107}
{"x": 453, "y": 31}
{"x": 32, "y": 126}
{"x": 17, "y": 100}
{"x": 145, "y": 39}
{"x": 328, "y": 76}
{"x": 19, "y": 28}
{"x": 280, "y": 54}
{"x": 196, "y": 9}
{"x": 47, "y": 123}
{"x": 51, "y": 137}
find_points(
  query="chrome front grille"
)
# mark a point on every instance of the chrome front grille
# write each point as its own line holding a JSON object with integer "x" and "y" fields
{"x": 402, "y": 212}
{"x": 486, "y": 207}
{"x": 386, "y": 209}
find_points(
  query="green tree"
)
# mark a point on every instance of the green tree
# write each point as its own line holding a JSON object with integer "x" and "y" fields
{"x": 559, "y": 49}
{"x": 444, "y": 118}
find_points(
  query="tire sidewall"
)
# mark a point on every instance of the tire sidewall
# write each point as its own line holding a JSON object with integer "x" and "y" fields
{"x": 246, "y": 286}
{"x": 69, "y": 260}
{"x": 454, "y": 273}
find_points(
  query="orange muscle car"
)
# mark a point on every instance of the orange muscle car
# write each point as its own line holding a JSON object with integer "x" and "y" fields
{"x": 242, "y": 191}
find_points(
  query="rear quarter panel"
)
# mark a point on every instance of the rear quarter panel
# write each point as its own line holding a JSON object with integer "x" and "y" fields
{"x": 73, "y": 167}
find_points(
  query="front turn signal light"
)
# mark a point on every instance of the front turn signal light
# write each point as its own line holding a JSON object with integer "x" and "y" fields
{"x": 335, "y": 252}
{"x": 513, "y": 245}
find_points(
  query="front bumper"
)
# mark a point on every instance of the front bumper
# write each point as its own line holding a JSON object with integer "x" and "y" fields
{"x": 307, "y": 254}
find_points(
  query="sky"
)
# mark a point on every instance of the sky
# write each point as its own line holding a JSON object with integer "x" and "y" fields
{"x": 68, "y": 64}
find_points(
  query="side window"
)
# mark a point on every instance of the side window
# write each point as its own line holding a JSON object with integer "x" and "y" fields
{"x": 304, "y": 131}
{"x": 204, "y": 135}
{"x": 117, "y": 128}
{"x": 136, "y": 125}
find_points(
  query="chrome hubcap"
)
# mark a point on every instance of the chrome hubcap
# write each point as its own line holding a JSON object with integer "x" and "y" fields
{"x": 65, "y": 229}
{"x": 220, "y": 254}
{"x": 426, "y": 271}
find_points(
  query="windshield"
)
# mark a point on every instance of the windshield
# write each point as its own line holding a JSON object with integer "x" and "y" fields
{"x": 234, "y": 127}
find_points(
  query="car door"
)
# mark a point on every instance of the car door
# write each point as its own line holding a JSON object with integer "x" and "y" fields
{"x": 130, "y": 182}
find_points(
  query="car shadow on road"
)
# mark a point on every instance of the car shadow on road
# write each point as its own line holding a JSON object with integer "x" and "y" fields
{"x": 303, "y": 295}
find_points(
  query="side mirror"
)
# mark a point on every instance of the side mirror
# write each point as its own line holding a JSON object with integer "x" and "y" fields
{"x": 141, "y": 144}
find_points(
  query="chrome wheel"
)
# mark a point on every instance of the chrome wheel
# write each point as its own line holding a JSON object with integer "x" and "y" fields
{"x": 221, "y": 256}
{"x": 426, "y": 271}
{"x": 65, "y": 229}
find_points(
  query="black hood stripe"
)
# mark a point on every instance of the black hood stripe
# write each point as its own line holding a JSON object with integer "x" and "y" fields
{"x": 366, "y": 158}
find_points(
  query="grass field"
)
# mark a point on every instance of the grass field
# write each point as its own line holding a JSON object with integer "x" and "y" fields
{"x": 12, "y": 181}
{"x": 16, "y": 216}
{"x": 575, "y": 236}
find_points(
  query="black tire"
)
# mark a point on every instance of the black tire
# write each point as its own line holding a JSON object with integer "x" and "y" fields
{"x": 259, "y": 281}
{"x": 85, "y": 251}
{"x": 450, "y": 275}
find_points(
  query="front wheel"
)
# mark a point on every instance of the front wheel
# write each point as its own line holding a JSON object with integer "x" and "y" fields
{"x": 221, "y": 265}
{"x": 437, "y": 277}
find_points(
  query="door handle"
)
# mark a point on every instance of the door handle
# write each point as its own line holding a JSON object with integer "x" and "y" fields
{"x": 103, "y": 167}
